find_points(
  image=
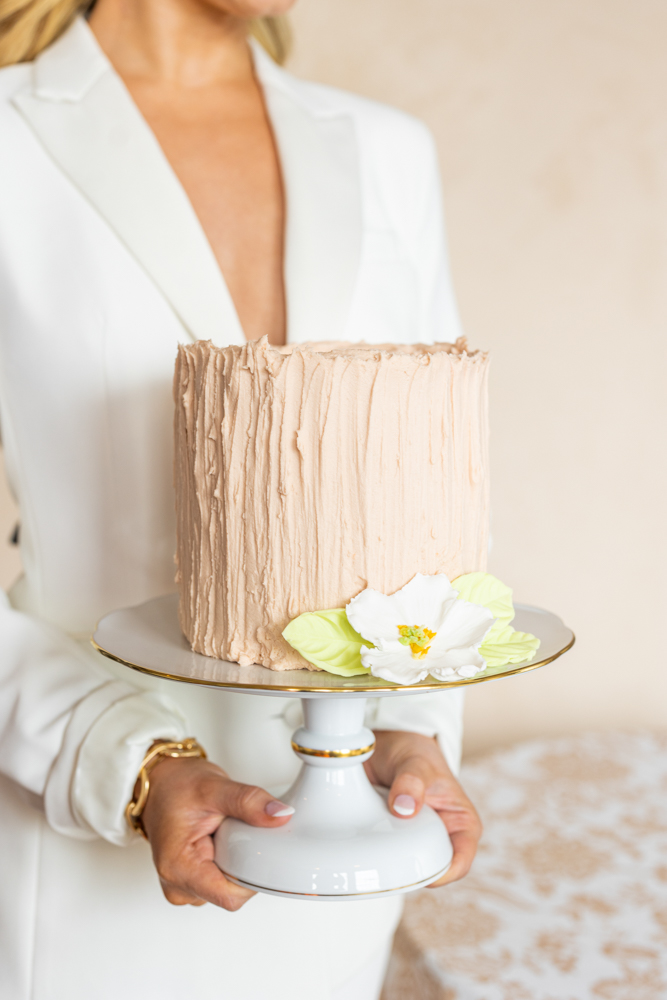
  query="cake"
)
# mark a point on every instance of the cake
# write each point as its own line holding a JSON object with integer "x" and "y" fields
{"x": 304, "y": 475}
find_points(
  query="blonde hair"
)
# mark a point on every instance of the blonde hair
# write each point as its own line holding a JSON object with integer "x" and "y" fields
{"x": 27, "y": 27}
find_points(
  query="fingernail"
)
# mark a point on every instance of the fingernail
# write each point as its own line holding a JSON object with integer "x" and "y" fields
{"x": 404, "y": 805}
{"x": 278, "y": 809}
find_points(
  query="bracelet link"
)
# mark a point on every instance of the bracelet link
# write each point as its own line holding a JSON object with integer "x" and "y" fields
{"x": 135, "y": 807}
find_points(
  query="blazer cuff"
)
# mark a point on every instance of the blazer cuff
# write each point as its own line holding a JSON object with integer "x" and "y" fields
{"x": 109, "y": 758}
{"x": 439, "y": 715}
{"x": 60, "y": 780}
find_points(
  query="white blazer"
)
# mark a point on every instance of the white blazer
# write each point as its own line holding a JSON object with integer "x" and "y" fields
{"x": 104, "y": 269}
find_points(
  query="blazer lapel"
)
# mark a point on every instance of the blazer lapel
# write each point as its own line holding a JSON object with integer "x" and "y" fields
{"x": 321, "y": 176}
{"x": 87, "y": 121}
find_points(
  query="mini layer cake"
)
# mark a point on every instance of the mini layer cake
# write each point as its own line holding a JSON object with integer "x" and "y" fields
{"x": 304, "y": 475}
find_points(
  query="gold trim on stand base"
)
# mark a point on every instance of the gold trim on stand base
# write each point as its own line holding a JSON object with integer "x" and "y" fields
{"x": 338, "y": 895}
{"x": 332, "y": 753}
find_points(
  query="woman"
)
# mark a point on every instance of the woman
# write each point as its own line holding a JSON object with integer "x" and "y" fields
{"x": 161, "y": 178}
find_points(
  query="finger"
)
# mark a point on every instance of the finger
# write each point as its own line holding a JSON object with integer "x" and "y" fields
{"x": 177, "y": 897}
{"x": 195, "y": 881}
{"x": 464, "y": 843}
{"x": 406, "y": 795}
{"x": 252, "y": 804}
{"x": 209, "y": 884}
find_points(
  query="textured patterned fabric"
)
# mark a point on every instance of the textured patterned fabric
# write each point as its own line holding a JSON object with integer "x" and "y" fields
{"x": 567, "y": 899}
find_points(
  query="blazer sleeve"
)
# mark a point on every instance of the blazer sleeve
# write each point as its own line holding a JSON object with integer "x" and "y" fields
{"x": 422, "y": 229}
{"x": 70, "y": 733}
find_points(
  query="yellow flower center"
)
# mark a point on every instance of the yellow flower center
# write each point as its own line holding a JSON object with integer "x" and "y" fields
{"x": 417, "y": 638}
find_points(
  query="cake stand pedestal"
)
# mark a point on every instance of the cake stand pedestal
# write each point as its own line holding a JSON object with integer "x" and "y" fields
{"x": 342, "y": 842}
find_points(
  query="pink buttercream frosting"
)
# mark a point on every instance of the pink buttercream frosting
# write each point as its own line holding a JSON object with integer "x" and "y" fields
{"x": 306, "y": 474}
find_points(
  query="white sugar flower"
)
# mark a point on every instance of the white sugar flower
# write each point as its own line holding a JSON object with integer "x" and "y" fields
{"x": 425, "y": 628}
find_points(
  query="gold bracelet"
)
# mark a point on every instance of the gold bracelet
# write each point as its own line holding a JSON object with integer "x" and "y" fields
{"x": 135, "y": 807}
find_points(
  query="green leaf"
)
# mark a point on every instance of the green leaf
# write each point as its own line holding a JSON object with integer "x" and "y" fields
{"x": 508, "y": 646}
{"x": 487, "y": 590}
{"x": 496, "y": 633}
{"x": 327, "y": 640}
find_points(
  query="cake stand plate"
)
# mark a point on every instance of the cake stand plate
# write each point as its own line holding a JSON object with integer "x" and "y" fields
{"x": 342, "y": 842}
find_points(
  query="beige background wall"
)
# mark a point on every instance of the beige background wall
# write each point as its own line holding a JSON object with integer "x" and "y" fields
{"x": 551, "y": 120}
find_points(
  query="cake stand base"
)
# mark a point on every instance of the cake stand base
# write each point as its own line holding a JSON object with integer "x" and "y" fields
{"x": 342, "y": 842}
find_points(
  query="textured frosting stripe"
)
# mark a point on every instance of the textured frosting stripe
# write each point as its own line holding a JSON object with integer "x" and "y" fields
{"x": 304, "y": 476}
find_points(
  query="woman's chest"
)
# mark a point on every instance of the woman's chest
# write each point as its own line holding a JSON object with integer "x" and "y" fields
{"x": 220, "y": 145}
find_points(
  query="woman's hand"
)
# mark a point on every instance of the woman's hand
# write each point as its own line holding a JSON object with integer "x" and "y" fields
{"x": 414, "y": 770}
{"x": 187, "y": 802}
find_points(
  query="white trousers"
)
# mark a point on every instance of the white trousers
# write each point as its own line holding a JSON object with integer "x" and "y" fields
{"x": 366, "y": 984}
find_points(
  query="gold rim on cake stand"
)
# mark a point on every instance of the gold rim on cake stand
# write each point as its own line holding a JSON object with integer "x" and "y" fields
{"x": 154, "y": 635}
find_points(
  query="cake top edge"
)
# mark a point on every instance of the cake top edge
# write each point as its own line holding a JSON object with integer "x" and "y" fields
{"x": 346, "y": 349}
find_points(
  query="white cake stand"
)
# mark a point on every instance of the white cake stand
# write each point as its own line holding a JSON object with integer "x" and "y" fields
{"x": 342, "y": 842}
